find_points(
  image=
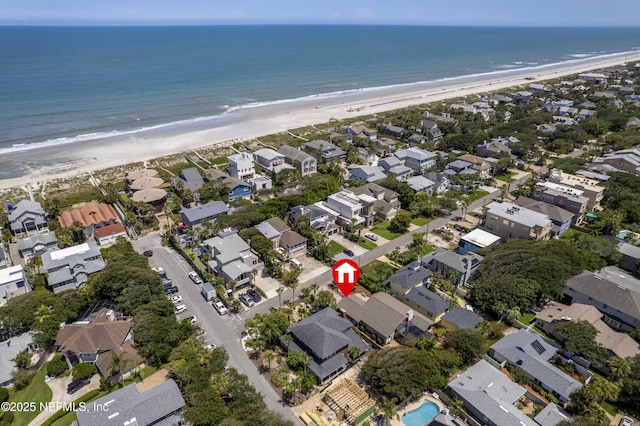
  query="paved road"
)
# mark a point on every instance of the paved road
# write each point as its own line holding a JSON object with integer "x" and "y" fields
{"x": 222, "y": 330}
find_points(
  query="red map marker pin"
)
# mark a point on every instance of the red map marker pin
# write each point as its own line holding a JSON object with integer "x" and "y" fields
{"x": 346, "y": 273}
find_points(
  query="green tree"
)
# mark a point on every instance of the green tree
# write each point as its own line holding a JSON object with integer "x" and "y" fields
{"x": 57, "y": 366}
{"x": 400, "y": 223}
{"x": 324, "y": 299}
{"x": 83, "y": 370}
{"x": 468, "y": 344}
{"x": 619, "y": 367}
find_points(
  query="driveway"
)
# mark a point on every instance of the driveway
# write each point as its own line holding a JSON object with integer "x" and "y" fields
{"x": 59, "y": 389}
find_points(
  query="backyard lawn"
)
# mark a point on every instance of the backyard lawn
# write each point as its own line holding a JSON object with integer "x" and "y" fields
{"x": 506, "y": 177}
{"x": 421, "y": 221}
{"x": 382, "y": 229}
{"x": 334, "y": 248}
{"x": 527, "y": 317}
{"x": 369, "y": 245}
{"x": 37, "y": 392}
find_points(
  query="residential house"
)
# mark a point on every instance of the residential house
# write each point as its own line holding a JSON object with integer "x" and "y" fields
{"x": 421, "y": 184}
{"x": 428, "y": 303}
{"x": 361, "y": 131}
{"x": 110, "y": 233}
{"x": 13, "y": 282}
{"x": 350, "y": 209}
{"x": 478, "y": 238}
{"x": 458, "y": 165}
{"x": 479, "y": 164}
{"x": 494, "y": 149}
{"x": 546, "y": 128}
{"x": 563, "y": 196}
{"x": 618, "y": 344}
{"x": 134, "y": 175}
{"x": 633, "y": 122}
{"x": 9, "y": 350}
{"x": 630, "y": 261}
{"x": 440, "y": 180}
{"x": 294, "y": 243}
{"x": 444, "y": 117}
{"x": 585, "y": 114}
{"x": 273, "y": 229}
{"x": 596, "y": 78}
{"x": 237, "y": 188}
{"x": 564, "y": 121}
{"x": 322, "y": 219}
{"x": 393, "y": 131}
{"x": 36, "y": 244}
{"x": 523, "y": 97}
{"x": 91, "y": 216}
{"x": 593, "y": 175}
{"x": 261, "y": 182}
{"x": 27, "y": 216}
{"x": 407, "y": 278}
{"x": 605, "y": 95}
{"x": 147, "y": 183}
{"x": 384, "y": 316}
{"x": 416, "y": 139}
{"x": 136, "y": 404}
{"x": 241, "y": 166}
{"x": 560, "y": 217}
{"x": 231, "y": 258}
{"x": 551, "y": 415}
{"x": 70, "y": 267}
{"x": 271, "y": 160}
{"x": 459, "y": 318}
{"x": 190, "y": 179}
{"x": 464, "y": 108}
{"x": 326, "y": 150}
{"x": 366, "y": 174}
{"x": 194, "y": 216}
{"x": 395, "y": 167}
{"x": 305, "y": 163}
{"x": 3, "y": 256}
{"x": 531, "y": 353}
{"x": 154, "y": 196}
{"x": 613, "y": 292}
{"x": 623, "y": 161}
{"x": 490, "y": 396}
{"x": 416, "y": 158}
{"x": 97, "y": 339}
{"x": 386, "y": 204}
{"x": 327, "y": 339}
{"x": 386, "y": 145}
{"x": 451, "y": 263}
{"x": 432, "y": 131}
{"x": 510, "y": 221}
{"x": 367, "y": 156}
{"x": 590, "y": 188}
{"x": 567, "y": 111}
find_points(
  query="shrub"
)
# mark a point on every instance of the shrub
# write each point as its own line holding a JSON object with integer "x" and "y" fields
{"x": 6, "y": 418}
{"x": 57, "y": 366}
{"x": 22, "y": 378}
{"x": 4, "y": 395}
{"x": 83, "y": 370}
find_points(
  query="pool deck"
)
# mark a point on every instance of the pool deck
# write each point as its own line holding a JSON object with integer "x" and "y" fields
{"x": 397, "y": 419}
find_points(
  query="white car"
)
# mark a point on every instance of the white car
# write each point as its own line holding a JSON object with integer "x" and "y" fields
{"x": 176, "y": 299}
{"x": 180, "y": 309}
{"x": 372, "y": 237}
{"x": 626, "y": 421}
{"x": 193, "y": 319}
{"x": 195, "y": 277}
{"x": 222, "y": 310}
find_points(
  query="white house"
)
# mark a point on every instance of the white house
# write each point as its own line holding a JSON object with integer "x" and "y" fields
{"x": 241, "y": 166}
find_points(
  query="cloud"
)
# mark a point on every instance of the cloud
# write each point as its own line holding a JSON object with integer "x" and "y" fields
{"x": 365, "y": 13}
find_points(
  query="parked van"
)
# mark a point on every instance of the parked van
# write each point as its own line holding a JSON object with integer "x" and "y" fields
{"x": 180, "y": 309}
{"x": 297, "y": 263}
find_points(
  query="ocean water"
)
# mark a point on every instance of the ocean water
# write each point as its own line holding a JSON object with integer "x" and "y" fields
{"x": 77, "y": 84}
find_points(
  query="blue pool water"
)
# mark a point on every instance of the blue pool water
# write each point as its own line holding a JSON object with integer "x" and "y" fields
{"x": 623, "y": 234}
{"x": 421, "y": 415}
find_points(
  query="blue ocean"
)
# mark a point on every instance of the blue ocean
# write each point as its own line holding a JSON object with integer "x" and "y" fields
{"x": 62, "y": 84}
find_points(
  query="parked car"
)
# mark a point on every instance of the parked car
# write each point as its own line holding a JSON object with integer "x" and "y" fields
{"x": 211, "y": 346}
{"x": 348, "y": 252}
{"x": 193, "y": 319}
{"x": 297, "y": 263}
{"x": 626, "y": 421}
{"x": 372, "y": 237}
{"x": 195, "y": 277}
{"x": 167, "y": 282}
{"x": 171, "y": 290}
{"x": 254, "y": 295}
{"x": 222, "y": 310}
{"x": 247, "y": 300}
{"x": 176, "y": 299}
{"x": 77, "y": 384}
{"x": 180, "y": 309}
{"x": 148, "y": 253}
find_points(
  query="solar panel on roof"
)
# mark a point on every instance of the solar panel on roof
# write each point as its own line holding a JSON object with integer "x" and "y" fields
{"x": 538, "y": 347}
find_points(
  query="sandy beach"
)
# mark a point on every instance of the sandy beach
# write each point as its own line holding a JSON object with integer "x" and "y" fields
{"x": 37, "y": 165}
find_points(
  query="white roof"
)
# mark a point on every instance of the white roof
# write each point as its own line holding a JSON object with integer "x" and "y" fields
{"x": 518, "y": 214}
{"x": 481, "y": 238}
{"x": 69, "y": 251}
{"x": 13, "y": 273}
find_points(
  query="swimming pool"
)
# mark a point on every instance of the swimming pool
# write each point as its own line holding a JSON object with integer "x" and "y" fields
{"x": 421, "y": 415}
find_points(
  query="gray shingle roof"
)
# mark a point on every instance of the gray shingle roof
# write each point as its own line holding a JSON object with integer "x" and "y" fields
{"x": 551, "y": 415}
{"x": 409, "y": 276}
{"x": 462, "y": 318}
{"x": 554, "y": 212}
{"x": 147, "y": 407}
{"x": 322, "y": 333}
{"x": 210, "y": 210}
{"x": 37, "y": 239}
{"x": 191, "y": 179}
{"x": 294, "y": 154}
{"x": 428, "y": 301}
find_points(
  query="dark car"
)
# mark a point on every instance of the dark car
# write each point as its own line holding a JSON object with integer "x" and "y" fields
{"x": 171, "y": 290}
{"x": 254, "y": 295}
{"x": 77, "y": 384}
{"x": 348, "y": 252}
{"x": 148, "y": 253}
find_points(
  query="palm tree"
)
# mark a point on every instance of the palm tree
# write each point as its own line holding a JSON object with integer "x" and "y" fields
{"x": 43, "y": 312}
{"x": 235, "y": 305}
{"x": 268, "y": 357}
{"x": 118, "y": 363}
{"x": 455, "y": 407}
{"x": 279, "y": 290}
{"x": 354, "y": 352}
{"x": 293, "y": 287}
{"x": 304, "y": 359}
{"x": 314, "y": 288}
{"x": 620, "y": 367}
{"x": 389, "y": 408}
{"x": 287, "y": 339}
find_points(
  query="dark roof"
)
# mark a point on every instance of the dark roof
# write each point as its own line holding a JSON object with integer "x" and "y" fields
{"x": 191, "y": 178}
{"x": 129, "y": 403}
{"x": 409, "y": 276}
{"x": 462, "y": 318}
{"x": 428, "y": 301}
{"x": 555, "y": 213}
{"x": 211, "y": 209}
{"x": 322, "y": 333}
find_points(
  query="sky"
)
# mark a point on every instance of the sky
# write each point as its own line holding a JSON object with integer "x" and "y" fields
{"x": 345, "y": 12}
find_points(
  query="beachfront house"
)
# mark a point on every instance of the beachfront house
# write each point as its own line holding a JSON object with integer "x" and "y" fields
{"x": 393, "y": 131}
{"x": 326, "y": 150}
{"x": 431, "y": 130}
{"x": 361, "y": 131}
{"x": 241, "y": 166}
{"x": 271, "y": 160}
{"x": 27, "y": 216}
{"x": 305, "y": 163}
{"x": 190, "y": 179}
{"x": 91, "y": 216}
{"x": 37, "y": 244}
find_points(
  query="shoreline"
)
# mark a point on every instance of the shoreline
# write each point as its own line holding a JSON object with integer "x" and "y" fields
{"x": 254, "y": 121}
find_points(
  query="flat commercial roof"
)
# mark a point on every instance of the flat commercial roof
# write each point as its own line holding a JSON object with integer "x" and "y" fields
{"x": 480, "y": 238}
